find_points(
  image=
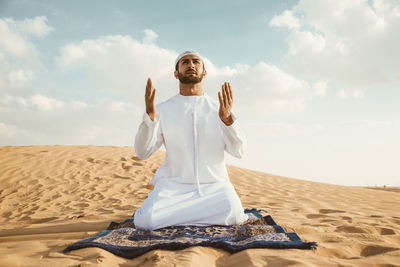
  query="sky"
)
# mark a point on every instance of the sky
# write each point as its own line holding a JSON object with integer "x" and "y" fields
{"x": 316, "y": 84}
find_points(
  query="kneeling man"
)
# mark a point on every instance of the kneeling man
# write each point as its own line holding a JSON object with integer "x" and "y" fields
{"x": 192, "y": 186}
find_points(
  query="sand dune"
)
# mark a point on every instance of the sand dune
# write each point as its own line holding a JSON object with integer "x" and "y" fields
{"x": 52, "y": 196}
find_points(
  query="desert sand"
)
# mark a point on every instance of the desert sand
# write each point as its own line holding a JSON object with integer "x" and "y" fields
{"x": 52, "y": 196}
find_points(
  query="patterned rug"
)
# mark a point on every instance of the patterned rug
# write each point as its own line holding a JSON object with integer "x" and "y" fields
{"x": 259, "y": 231}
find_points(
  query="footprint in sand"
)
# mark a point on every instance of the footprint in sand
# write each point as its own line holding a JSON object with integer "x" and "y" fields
{"x": 375, "y": 250}
{"x": 396, "y": 221}
{"x": 328, "y": 221}
{"x": 43, "y": 220}
{"x": 148, "y": 186}
{"x": 326, "y": 211}
{"x": 121, "y": 177}
{"x": 385, "y": 231}
{"x": 316, "y": 216}
{"x": 58, "y": 195}
{"x": 348, "y": 219}
{"x": 125, "y": 166}
{"x": 7, "y": 214}
{"x": 76, "y": 217}
{"x": 376, "y": 216}
{"x": 350, "y": 229}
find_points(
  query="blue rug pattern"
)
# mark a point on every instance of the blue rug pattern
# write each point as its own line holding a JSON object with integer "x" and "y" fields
{"x": 259, "y": 231}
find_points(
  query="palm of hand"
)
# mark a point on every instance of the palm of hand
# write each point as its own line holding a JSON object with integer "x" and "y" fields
{"x": 225, "y": 102}
{"x": 150, "y": 99}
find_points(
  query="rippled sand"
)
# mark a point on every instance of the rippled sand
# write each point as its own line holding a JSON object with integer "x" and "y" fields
{"x": 52, "y": 196}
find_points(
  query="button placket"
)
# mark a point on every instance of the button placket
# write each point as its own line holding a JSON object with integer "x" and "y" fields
{"x": 195, "y": 143}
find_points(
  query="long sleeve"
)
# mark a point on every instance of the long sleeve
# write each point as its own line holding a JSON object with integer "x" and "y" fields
{"x": 235, "y": 142}
{"x": 149, "y": 137}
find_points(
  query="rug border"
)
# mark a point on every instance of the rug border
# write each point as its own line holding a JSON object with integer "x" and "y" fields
{"x": 128, "y": 252}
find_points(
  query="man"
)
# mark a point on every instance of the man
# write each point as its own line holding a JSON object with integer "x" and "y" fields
{"x": 192, "y": 186}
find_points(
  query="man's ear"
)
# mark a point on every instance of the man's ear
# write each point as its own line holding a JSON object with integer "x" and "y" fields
{"x": 176, "y": 74}
{"x": 204, "y": 73}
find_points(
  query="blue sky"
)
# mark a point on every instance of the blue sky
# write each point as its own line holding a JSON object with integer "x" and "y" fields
{"x": 229, "y": 27}
{"x": 316, "y": 91}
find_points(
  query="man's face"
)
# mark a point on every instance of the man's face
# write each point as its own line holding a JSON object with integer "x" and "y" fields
{"x": 190, "y": 70}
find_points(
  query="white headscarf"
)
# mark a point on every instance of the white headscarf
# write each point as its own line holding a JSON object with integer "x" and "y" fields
{"x": 188, "y": 52}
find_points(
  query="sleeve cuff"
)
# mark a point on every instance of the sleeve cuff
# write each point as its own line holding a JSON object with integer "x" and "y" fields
{"x": 149, "y": 122}
{"x": 233, "y": 125}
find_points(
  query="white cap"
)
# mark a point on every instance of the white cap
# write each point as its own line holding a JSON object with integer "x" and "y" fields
{"x": 188, "y": 52}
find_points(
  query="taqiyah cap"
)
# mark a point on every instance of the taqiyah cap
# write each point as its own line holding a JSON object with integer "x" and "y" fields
{"x": 188, "y": 52}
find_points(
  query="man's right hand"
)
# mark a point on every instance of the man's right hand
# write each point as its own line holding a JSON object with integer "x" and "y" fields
{"x": 150, "y": 99}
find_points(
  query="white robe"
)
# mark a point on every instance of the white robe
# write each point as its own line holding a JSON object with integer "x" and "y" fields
{"x": 192, "y": 186}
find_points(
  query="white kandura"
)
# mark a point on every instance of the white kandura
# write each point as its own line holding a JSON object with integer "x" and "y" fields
{"x": 192, "y": 186}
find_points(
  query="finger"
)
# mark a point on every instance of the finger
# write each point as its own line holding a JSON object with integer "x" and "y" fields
{"x": 225, "y": 97}
{"x": 221, "y": 103}
{"x": 148, "y": 87}
{"x": 230, "y": 93}
{"x": 151, "y": 87}
{"x": 152, "y": 97}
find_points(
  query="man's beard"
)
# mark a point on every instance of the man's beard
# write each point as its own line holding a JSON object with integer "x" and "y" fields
{"x": 190, "y": 79}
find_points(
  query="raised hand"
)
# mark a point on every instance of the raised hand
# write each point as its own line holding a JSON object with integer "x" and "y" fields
{"x": 150, "y": 99}
{"x": 225, "y": 104}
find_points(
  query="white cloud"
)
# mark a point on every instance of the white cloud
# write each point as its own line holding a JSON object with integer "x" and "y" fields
{"x": 45, "y": 103}
{"x": 343, "y": 94}
{"x": 11, "y": 131}
{"x": 265, "y": 88}
{"x": 117, "y": 106}
{"x": 286, "y": 19}
{"x": 305, "y": 41}
{"x": 14, "y": 79}
{"x": 320, "y": 88}
{"x": 19, "y": 57}
{"x": 122, "y": 63}
{"x": 352, "y": 43}
{"x": 355, "y": 94}
{"x": 70, "y": 54}
{"x": 40, "y": 119}
{"x": 13, "y": 42}
{"x": 78, "y": 105}
{"x": 34, "y": 102}
{"x": 36, "y": 26}
{"x": 358, "y": 94}
{"x": 149, "y": 36}
{"x": 19, "y": 77}
{"x": 261, "y": 130}
{"x": 371, "y": 124}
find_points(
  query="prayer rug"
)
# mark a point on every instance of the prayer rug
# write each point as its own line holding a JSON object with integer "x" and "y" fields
{"x": 259, "y": 231}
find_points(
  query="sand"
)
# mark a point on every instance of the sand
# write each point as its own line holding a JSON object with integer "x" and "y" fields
{"x": 52, "y": 196}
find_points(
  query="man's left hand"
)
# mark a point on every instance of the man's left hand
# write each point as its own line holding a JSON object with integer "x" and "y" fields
{"x": 225, "y": 104}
